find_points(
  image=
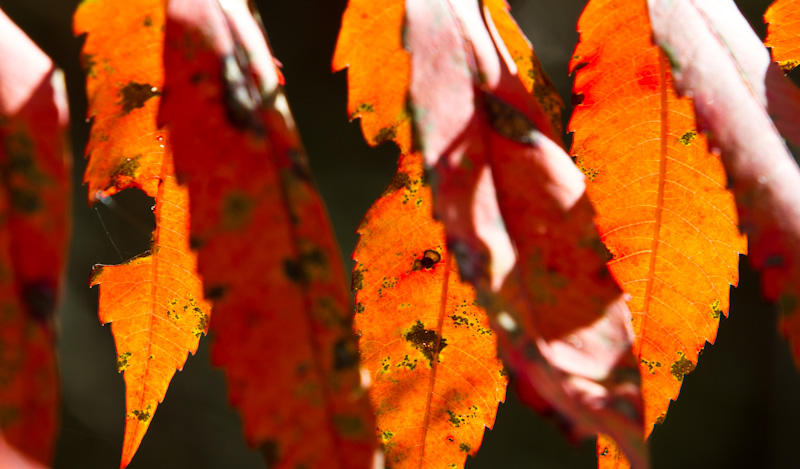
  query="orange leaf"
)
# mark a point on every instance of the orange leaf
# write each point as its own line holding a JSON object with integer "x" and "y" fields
{"x": 436, "y": 378}
{"x": 519, "y": 222}
{"x": 154, "y": 301}
{"x": 662, "y": 207}
{"x": 35, "y": 209}
{"x": 737, "y": 96}
{"x": 421, "y": 297}
{"x": 783, "y": 33}
{"x": 268, "y": 258}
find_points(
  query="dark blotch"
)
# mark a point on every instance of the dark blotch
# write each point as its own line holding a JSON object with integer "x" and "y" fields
{"x": 39, "y": 298}
{"x": 134, "y": 95}
{"x": 24, "y": 200}
{"x": 196, "y": 243}
{"x": 577, "y": 99}
{"x": 240, "y": 107}
{"x": 399, "y": 181}
{"x": 428, "y": 260}
{"x": 294, "y": 271}
{"x": 357, "y": 280}
{"x": 345, "y": 355}
{"x": 270, "y": 451}
{"x": 385, "y": 134}
{"x": 425, "y": 340}
{"x": 510, "y": 122}
{"x": 215, "y": 292}
{"x": 464, "y": 447}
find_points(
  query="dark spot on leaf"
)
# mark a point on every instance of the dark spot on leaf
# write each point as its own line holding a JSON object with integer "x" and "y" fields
{"x": 345, "y": 354}
{"x": 359, "y": 308}
{"x": 24, "y": 200}
{"x": 455, "y": 420}
{"x": 510, "y": 122}
{"x": 385, "y": 134}
{"x": 464, "y": 447}
{"x": 399, "y": 181}
{"x": 349, "y": 425}
{"x": 215, "y": 292}
{"x": 425, "y": 340}
{"x": 577, "y": 99}
{"x": 236, "y": 210}
{"x": 605, "y": 452}
{"x": 294, "y": 271}
{"x": 270, "y": 452}
{"x": 122, "y": 363}
{"x": 134, "y": 95}
{"x": 147, "y": 21}
{"x": 775, "y": 260}
{"x": 196, "y": 243}
{"x": 357, "y": 279}
{"x": 387, "y": 435}
{"x": 39, "y": 298}
{"x": 240, "y": 107}
{"x": 428, "y": 260}
{"x": 661, "y": 418}
{"x": 681, "y": 367}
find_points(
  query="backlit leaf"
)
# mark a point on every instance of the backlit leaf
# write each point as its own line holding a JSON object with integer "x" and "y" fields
{"x": 662, "y": 207}
{"x": 431, "y": 407}
{"x": 154, "y": 302}
{"x": 717, "y": 58}
{"x": 519, "y": 222}
{"x": 282, "y": 328}
{"x": 783, "y": 33}
{"x": 35, "y": 211}
{"x": 436, "y": 378}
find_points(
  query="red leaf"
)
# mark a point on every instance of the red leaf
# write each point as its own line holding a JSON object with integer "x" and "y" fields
{"x": 282, "y": 328}
{"x": 35, "y": 208}
{"x": 519, "y": 222}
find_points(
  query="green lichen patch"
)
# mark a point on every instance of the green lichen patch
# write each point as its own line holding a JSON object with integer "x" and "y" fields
{"x": 407, "y": 363}
{"x": 425, "y": 340}
{"x": 681, "y": 367}
{"x": 455, "y": 419}
{"x": 362, "y": 108}
{"x": 464, "y": 447}
{"x": 660, "y": 418}
{"x": 589, "y": 172}
{"x": 173, "y": 311}
{"x": 651, "y": 365}
{"x": 142, "y": 415}
{"x": 715, "y": 309}
{"x": 687, "y": 137}
{"x": 135, "y": 95}
{"x": 359, "y": 307}
{"x": 122, "y": 362}
{"x": 126, "y": 169}
{"x": 386, "y": 435}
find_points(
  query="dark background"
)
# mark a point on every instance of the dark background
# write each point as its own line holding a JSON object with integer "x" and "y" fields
{"x": 739, "y": 408}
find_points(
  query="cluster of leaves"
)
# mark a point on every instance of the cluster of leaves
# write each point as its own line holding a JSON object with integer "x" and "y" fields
{"x": 596, "y": 280}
